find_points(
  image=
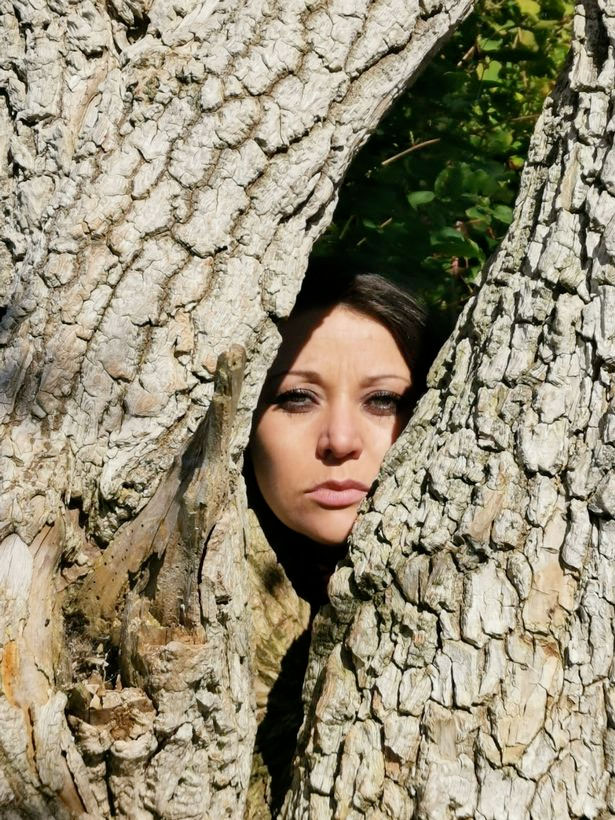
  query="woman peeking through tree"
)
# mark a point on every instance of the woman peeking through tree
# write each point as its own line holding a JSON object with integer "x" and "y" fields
{"x": 350, "y": 365}
{"x": 337, "y": 396}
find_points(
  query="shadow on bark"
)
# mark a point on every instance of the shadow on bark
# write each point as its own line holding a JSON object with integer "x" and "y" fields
{"x": 277, "y": 734}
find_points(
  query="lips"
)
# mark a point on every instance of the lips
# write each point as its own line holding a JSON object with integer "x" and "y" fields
{"x": 335, "y": 495}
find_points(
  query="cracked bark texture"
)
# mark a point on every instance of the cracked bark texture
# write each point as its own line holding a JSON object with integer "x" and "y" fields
{"x": 164, "y": 171}
{"x": 465, "y": 667}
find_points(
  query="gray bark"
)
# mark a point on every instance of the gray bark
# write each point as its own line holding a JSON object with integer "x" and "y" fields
{"x": 465, "y": 667}
{"x": 164, "y": 171}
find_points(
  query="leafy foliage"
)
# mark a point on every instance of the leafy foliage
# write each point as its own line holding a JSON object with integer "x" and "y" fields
{"x": 430, "y": 196}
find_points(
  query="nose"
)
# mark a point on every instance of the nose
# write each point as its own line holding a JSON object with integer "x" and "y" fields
{"x": 340, "y": 437}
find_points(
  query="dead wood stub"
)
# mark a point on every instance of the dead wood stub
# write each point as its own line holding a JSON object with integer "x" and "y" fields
{"x": 157, "y": 559}
{"x": 201, "y": 499}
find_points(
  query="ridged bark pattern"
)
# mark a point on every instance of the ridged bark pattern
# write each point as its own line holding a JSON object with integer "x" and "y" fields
{"x": 164, "y": 171}
{"x": 466, "y": 665}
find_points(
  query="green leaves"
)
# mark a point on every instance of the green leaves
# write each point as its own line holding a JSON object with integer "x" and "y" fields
{"x": 503, "y": 214}
{"x": 489, "y": 72}
{"x": 433, "y": 215}
{"x": 452, "y": 242}
{"x": 418, "y": 198}
{"x": 528, "y": 7}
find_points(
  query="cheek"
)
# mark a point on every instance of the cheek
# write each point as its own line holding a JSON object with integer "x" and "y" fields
{"x": 271, "y": 450}
{"x": 261, "y": 450}
{"x": 277, "y": 452}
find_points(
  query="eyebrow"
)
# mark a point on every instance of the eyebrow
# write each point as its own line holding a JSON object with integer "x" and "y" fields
{"x": 312, "y": 375}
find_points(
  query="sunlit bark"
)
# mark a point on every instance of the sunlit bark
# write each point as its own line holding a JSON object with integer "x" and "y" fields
{"x": 467, "y": 661}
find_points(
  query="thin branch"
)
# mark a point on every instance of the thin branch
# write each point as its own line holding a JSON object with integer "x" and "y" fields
{"x": 468, "y": 54}
{"x": 407, "y": 151}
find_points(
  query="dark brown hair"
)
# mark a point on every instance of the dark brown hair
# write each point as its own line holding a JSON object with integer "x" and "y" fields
{"x": 327, "y": 284}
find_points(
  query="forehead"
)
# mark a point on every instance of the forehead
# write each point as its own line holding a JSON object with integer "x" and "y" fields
{"x": 316, "y": 337}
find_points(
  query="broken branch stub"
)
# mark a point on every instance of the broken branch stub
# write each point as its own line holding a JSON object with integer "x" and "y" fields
{"x": 170, "y": 547}
{"x": 175, "y": 651}
{"x": 202, "y": 500}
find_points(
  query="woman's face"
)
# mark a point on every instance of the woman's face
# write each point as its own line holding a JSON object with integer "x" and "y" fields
{"x": 333, "y": 403}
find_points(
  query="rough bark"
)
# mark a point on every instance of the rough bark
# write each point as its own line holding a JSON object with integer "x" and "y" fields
{"x": 466, "y": 665}
{"x": 165, "y": 169}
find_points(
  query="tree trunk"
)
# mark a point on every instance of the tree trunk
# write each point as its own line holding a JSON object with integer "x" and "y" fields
{"x": 165, "y": 169}
{"x": 466, "y": 665}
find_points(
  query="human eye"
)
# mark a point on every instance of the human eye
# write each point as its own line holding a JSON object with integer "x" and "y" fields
{"x": 296, "y": 400}
{"x": 385, "y": 403}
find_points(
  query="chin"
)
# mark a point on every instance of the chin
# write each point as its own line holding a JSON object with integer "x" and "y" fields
{"x": 332, "y": 532}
